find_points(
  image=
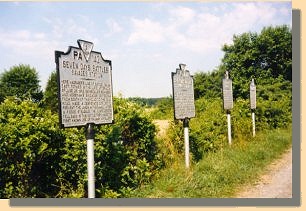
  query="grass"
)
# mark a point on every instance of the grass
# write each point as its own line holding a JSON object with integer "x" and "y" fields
{"x": 219, "y": 174}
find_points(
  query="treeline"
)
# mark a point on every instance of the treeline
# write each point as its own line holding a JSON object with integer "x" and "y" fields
{"x": 267, "y": 58}
{"x": 41, "y": 160}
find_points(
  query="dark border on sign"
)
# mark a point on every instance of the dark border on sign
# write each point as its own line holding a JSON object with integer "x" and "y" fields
{"x": 58, "y": 54}
{"x": 172, "y": 74}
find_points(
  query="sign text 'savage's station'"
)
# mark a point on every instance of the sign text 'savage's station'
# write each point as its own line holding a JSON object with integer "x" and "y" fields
{"x": 85, "y": 86}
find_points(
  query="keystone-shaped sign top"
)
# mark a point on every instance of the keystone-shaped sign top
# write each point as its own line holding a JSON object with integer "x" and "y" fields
{"x": 86, "y": 47}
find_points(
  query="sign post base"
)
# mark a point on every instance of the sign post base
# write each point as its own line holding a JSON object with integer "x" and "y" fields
{"x": 253, "y": 121}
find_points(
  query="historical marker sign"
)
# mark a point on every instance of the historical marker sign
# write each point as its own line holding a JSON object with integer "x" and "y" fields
{"x": 227, "y": 92}
{"x": 183, "y": 93}
{"x": 253, "y": 94}
{"x": 85, "y": 86}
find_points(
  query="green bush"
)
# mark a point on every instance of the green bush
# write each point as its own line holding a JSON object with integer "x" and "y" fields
{"x": 207, "y": 130}
{"x": 42, "y": 160}
{"x": 30, "y": 149}
{"x": 20, "y": 81}
{"x": 241, "y": 119}
{"x": 274, "y": 107}
{"x": 126, "y": 151}
{"x": 163, "y": 108}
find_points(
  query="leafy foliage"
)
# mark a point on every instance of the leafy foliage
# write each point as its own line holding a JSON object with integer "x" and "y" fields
{"x": 44, "y": 161}
{"x": 208, "y": 130}
{"x": 50, "y": 99}
{"x": 163, "y": 108}
{"x": 221, "y": 173}
{"x": 128, "y": 153}
{"x": 144, "y": 101}
{"x": 265, "y": 57}
{"x": 207, "y": 84}
{"x": 261, "y": 56}
{"x": 30, "y": 150}
{"x": 22, "y": 82}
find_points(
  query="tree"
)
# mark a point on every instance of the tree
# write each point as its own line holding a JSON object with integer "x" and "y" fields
{"x": 51, "y": 93}
{"x": 261, "y": 56}
{"x": 22, "y": 82}
{"x": 207, "y": 84}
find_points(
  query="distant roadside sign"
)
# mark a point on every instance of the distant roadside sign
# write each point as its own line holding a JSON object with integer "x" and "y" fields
{"x": 183, "y": 93}
{"x": 227, "y": 92}
{"x": 85, "y": 86}
{"x": 253, "y": 94}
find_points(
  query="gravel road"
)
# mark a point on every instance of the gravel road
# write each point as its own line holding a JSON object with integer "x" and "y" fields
{"x": 275, "y": 183}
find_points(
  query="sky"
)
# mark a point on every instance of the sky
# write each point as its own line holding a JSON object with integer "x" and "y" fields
{"x": 144, "y": 41}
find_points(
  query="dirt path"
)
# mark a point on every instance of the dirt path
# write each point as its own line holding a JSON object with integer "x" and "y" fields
{"x": 276, "y": 183}
{"x": 162, "y": 126}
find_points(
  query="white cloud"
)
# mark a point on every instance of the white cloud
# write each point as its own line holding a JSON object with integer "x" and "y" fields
{"x": 176, "y": 33}
{"x": 25, "y": 42}
{"x": 62, "y": 28}
{"x": 146, "y": 31}
{"x": 285, "y": 11}
{"x": 182, "y": 15}
{"x": 205, "y": 29}
{"x": 113, "y": 27}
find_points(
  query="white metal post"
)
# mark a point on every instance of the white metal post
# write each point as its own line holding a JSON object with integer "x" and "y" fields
{"x": 229, "y": 132}
{"x": 253, "y": 121}
{"x": 186, "y": 138}
{"x": 90, "y": 134}
{"x": 91, "y": 169}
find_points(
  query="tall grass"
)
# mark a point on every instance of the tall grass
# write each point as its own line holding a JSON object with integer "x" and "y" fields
{"x": 219, "y": 174}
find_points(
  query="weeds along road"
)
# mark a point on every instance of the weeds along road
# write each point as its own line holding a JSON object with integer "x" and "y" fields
{"x": 275, "y": 183}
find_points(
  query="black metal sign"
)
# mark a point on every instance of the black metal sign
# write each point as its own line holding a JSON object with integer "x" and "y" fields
{"x": 253, "y": 94}
{"x": 183, "y": 93}
{"x": 85, "y": 86}
{"x": 227, "y": 92}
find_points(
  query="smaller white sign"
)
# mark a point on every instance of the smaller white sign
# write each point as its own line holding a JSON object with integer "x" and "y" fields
{"x": 227, "y": 93}
{"x": 253, "y": 94}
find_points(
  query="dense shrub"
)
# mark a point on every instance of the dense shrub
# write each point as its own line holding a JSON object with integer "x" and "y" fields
{"x": 40, "y": 160}
{"x": 20, "y": 81}
{"x": 127, "y": 150}
{"x": 30, "y": 149}
{"x": 208, "y": 130}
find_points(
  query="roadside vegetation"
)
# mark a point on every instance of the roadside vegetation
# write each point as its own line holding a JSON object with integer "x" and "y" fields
{"x": 38, "y": 159}
{"x": 219, "y": 174}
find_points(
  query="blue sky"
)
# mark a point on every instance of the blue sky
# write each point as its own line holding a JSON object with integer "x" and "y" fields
{"x": 144, "y": 41}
